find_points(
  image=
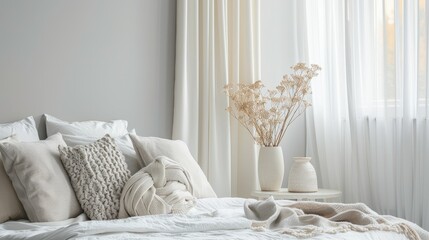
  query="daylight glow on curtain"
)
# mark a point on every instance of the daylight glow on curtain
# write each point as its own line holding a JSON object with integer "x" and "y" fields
{"x": 217, "y": 43}
{"x": 368, "y": 128}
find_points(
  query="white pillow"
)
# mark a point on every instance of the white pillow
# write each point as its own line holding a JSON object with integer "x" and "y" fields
{"x": 150, "y": 148}
{"x": 39, "y": 179}
{"x": 25, "y": 130}
{"x": 124, "y": 143}
{"x": 95, "y": 129}
{"x": 10, "y": 207}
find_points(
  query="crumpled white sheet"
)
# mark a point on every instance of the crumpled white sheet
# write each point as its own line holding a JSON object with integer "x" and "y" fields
{"x": 212, "y": 218}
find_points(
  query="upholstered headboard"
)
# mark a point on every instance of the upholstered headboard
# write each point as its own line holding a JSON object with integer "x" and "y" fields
{"x": 58, "y": 57}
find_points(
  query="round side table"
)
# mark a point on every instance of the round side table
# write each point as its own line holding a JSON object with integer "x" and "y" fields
{"x": 321, "y": 195}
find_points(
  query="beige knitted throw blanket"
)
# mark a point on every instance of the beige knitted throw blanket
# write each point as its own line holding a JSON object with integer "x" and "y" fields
{"x": 308, "y": 219}
{"x": 160, "y": 188}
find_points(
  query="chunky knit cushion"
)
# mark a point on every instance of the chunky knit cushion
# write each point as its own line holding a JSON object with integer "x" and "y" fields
{"x": 98, "y": 173}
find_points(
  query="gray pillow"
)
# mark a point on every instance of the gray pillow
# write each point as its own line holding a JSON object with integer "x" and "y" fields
{"x": 39, "y": 179}
{"x": 98, "y": 173}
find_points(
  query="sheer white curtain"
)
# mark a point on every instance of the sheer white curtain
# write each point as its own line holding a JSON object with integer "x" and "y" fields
{"x": 368, "y": 128}
{"x": 217, "y": 43}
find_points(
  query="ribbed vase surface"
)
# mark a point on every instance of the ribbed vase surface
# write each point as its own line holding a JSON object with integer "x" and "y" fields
{"x": 302, "y": 176}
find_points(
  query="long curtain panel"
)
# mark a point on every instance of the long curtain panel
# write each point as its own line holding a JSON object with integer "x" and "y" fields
{"x": 217, "y": 43}
{"x": 368, "y": 129}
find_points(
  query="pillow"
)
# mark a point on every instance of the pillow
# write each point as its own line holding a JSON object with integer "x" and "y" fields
{"x": 98, "y": 173}
{"x": 150, "y": 148}
{"x": 39, "y": 179}
{"x": 162, "y": 187}
{"x": 10, "y": 207}
{"x": 95, "y": 129}
{"x": 23, "y": 130}
{"x": 124, "y": 143}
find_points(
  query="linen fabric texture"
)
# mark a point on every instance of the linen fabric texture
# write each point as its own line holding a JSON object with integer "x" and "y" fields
{"x": 149, "y": 148}
{"x": 39, "y": 179}
{"x": 222, "y": 147}
{"x": 24, "y": 130}
{"x": 124, "y": 143}
{"x": 160, "y": 188}
{"x": 98, "y": 173}
{"x": 96, "y": 129}
{"x": 10, "y": 207}
{"x": 308, "y": 219}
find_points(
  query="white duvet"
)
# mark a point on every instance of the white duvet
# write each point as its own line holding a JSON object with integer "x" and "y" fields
{"x": 212, "y": 218}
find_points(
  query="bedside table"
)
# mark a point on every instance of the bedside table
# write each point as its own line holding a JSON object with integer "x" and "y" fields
{"x": 321, "y": 195}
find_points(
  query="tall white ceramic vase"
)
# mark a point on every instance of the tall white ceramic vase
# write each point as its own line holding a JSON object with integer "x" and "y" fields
{"x": 270, "y": 168}
{"x": 302, "y": 176}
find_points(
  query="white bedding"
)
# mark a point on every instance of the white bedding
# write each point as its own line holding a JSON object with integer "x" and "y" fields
{"x": 212, "y": 218}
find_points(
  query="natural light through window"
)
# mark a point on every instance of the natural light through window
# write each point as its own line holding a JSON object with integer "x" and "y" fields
{"x": 394, "y": 42}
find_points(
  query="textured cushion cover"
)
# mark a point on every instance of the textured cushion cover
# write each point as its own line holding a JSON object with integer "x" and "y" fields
{"x": 160, "y": 188}
{"x": 124, "y": 143}
{"x": 98, "y": 173}
{"x": 24, "y": 130}
{"x": 95, "y": 129}
{"x": 150, "y": 148}
{"x": 39, "y": 179}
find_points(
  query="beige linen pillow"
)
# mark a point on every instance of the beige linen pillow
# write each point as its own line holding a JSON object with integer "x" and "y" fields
{"x": 98, "y": 173}
{"x": 39, "y": 179}
{"x": 150, "y": 148}
{"x": 10, "y": 207}
{"x": 23, "y": 130}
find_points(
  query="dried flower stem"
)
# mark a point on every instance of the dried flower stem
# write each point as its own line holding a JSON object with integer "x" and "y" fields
{"x": 267, "y": 114}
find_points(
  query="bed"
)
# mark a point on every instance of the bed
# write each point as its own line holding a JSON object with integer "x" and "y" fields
{"x": 97, "y": 180}
{"x": 212, "y": 218}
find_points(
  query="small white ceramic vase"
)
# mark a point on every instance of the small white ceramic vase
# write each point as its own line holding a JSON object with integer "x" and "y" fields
{"x": 302, "y": 176}
{"x": 270, "y": 168}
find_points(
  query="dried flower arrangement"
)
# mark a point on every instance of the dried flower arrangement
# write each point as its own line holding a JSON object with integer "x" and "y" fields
{"x": 268, "y": 114}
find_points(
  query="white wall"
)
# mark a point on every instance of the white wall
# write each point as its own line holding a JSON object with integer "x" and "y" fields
{"x": 80, "y": 60}
{"x": 278, "y": 53}
{"x": 106, "y": 59}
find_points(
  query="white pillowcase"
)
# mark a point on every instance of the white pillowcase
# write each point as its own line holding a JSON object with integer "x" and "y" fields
{"x": 25, "y": 130}
{"x": 95, "y": 129}
{"x": 124, "y": 143}
{"x": 150, "y": 148}
{"x": 10, "y": 207}
{"x": 39, "y": 179}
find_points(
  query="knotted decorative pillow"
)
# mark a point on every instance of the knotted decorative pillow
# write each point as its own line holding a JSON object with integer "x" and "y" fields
{"x": 160, "y": 188}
